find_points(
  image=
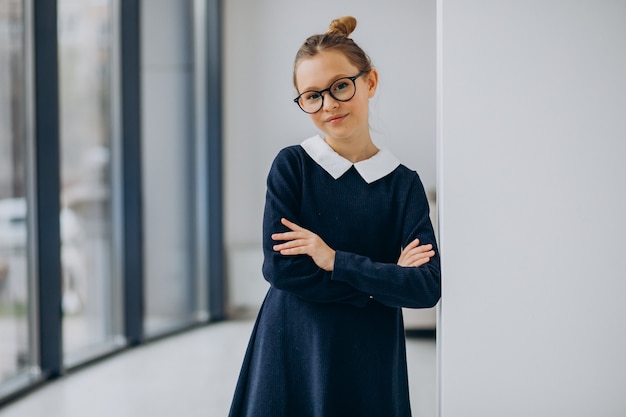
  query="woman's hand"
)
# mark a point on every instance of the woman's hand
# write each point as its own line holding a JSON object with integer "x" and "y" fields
{"x": 415, "y": 255}
{"x": 301, "y": 241}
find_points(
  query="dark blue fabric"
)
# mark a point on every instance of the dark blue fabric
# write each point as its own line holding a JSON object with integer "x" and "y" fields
{"x": 329, "y": 344}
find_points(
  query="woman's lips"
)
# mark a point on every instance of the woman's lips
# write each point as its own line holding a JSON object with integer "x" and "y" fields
{"x": 336, "y": 119}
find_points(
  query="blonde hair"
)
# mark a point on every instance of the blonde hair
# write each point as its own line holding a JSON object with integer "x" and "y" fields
{"x": 336, "y": 38}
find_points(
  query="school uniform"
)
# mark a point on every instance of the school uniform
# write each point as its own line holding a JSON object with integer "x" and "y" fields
{"x": 332, "y": 344}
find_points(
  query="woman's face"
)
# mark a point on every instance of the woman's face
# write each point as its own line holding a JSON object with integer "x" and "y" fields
{"x": 338, "y": 120}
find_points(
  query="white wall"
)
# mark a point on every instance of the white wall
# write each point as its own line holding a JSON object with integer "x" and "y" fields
{"x": 261, "y": 40}
{"x": 532, "y": 198}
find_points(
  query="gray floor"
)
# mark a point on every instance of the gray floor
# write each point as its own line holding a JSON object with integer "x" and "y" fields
{"x": 189, "y": 375}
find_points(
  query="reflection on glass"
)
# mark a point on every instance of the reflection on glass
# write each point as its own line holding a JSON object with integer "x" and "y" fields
{"x": 15, "y": 354}
{"x": 167, "y": 162}
{"x": 85, "y": 62}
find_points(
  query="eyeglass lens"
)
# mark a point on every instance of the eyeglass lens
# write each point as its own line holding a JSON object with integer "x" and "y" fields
{"x": 341, "y": 90}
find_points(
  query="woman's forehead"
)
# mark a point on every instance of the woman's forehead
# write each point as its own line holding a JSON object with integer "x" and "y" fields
{"x": 317, "y": 72}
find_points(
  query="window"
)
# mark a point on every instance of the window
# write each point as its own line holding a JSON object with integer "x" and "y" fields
{"x": 168, "y": 163}
{"x": 141, "y": 241}
{"x": 91, "y": 297}
{"x": 16, "y": 343}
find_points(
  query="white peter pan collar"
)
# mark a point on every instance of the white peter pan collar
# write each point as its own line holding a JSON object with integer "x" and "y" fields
{"x": 372, "y": 169}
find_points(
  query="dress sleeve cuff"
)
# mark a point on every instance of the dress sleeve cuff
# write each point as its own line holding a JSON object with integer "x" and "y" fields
{"x": 341, "y": 272}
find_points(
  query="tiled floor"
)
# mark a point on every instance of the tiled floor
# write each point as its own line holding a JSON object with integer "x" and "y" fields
{"x": 191, "y": 375}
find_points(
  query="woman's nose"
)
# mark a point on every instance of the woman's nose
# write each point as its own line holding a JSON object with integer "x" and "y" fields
{"x": 329, "y": 102}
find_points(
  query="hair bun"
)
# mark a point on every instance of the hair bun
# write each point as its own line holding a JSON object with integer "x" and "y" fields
{"x": 343, "y": 26}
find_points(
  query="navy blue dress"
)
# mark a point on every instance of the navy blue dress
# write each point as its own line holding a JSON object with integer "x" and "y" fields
{"x": 332, "y": 344}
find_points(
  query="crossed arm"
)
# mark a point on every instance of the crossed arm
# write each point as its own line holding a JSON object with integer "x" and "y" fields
{"x": 300, "y": 241}
{"x": 332, "y": 275}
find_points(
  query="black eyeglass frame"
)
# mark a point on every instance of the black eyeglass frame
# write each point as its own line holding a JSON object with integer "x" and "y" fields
{"x": 320, "y": 92}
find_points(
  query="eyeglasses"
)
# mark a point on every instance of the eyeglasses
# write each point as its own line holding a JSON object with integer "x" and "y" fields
{"x": 342, "y": 89}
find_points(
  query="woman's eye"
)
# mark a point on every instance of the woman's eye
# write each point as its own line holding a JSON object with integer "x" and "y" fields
{"x": 341, "y": 85}
{"x": 312, "y": 96}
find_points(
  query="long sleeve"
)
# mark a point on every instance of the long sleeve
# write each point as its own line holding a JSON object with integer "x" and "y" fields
{"x": 296, "y": 274}
{"x": 367, "y": 224}
{"x": 391, "y": 284}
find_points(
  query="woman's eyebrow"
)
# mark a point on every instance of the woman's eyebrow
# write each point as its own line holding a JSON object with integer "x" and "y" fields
{"x": 332, "y": 80}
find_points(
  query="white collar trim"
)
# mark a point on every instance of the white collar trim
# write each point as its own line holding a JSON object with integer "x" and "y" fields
{"x": 372, "y": 169}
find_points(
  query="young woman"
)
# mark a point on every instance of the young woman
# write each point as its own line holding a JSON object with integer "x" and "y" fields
{"x": 347, "y": 242}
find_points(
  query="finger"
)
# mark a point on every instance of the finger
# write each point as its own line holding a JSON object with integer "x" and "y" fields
{"x": 421, "y": 257}
{"x": 420, "y": 262}
{"x": 299, "y": 250}
{"x": 287, "y": 236}
{"x": 291, "y": 225}
{"x": 412, "y": 244}
{"x": 290, "y": 244}
{"x": 420, "y": 249}
{"x": 417, "y": 255}
{"x": 425, "y": 248}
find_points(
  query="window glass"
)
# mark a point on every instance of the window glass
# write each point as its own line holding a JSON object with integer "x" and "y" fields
{"x": 167, "y": 163}
{"x": 16, "y": 355}
{"x": 90, "y": 300}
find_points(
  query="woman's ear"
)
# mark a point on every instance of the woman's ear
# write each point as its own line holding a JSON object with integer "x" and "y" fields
{"x": 372, "y": 82}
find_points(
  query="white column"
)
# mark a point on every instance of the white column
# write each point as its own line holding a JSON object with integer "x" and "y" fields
{"x": 532, "y": 193}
